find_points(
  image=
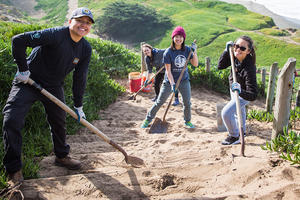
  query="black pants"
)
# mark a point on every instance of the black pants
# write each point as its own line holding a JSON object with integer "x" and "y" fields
{"x": 157, "y": 82}
{"x": 20, "y": 99}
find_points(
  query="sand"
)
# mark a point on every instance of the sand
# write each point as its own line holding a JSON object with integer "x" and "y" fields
{"x": 180, "y": 164}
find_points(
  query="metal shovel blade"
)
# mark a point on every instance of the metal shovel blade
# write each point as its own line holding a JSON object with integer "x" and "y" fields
{"x": 131, "y": 97}
{"x": 159, "y": 126}
{"x": 135, "y": 161}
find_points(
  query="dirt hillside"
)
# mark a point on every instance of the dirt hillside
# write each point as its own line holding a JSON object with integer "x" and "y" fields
{"x": 181, "y": 164}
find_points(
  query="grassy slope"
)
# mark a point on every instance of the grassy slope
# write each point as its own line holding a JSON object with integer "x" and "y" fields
{"x": 214, "y": 23}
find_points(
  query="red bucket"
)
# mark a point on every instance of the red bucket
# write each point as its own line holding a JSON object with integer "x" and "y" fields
{"x": 134, "y": 81}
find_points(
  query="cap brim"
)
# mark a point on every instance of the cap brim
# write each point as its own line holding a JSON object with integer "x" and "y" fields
{"x": 83, "y": 16}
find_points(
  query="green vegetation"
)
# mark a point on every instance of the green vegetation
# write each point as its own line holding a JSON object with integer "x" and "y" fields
{"x": 288, "y": 145}
{"x": 56, "y": 10}
{"x": 131, "y": 22}
{"x": 262, "y": 116}
{"x": 212, "y": 24}
{"x": 216, "y": 80}
{"x": 296, "y": 37}
{"x": 275, "y": 32}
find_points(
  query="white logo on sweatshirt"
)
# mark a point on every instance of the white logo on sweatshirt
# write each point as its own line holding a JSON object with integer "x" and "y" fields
{"x": 180, "y": 61}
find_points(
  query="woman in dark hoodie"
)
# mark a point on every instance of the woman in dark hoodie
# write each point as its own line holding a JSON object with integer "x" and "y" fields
{"x": 246, "y": 85}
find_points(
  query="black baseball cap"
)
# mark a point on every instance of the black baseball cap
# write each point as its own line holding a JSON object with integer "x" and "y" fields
{"x": 80, "y": 12}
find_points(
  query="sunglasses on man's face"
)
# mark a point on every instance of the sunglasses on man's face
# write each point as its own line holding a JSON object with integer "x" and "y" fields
{"x": 236, "y": 46}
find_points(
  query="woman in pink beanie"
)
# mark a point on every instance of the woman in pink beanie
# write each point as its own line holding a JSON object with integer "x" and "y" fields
{"x": 174, "y": 59}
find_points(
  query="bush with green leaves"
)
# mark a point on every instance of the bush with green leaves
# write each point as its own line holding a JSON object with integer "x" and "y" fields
{"x": 216, "y": 80}
{"x": 275, "y": 32}
{"x": 259, "y": 115}
{"x": 113, "y": 58}
{"x": 288, "y": 145}
{"x": 132, "y": 22}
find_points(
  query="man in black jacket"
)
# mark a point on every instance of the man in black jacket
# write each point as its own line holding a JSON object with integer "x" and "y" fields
{"x": 56, "y": 52}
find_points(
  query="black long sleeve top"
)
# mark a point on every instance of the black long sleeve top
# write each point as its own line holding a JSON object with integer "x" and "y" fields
{"x": 245, "y": 74}
{"x": 54, "y": 55}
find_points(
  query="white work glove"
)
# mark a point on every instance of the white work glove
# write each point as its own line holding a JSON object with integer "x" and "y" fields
{"x": 80, "y": 113}
{"x": 228, "y": 45}
{"x": 22, "y": 76}
{"x": 235, "y": 86}
{"x": 194, "y": 46}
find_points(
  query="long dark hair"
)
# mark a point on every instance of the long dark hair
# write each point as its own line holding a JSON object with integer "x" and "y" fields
{"x": 182, "y": 45}
{"x": 150, "y": 47}
{"x": 250, "y": 46}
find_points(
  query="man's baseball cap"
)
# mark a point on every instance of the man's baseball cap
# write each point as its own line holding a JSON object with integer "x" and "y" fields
{"x": 80, "y": 12}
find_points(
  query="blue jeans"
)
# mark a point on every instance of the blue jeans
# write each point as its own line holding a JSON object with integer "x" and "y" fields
{"x": 230, "y": 117}
{"x": 165, "y": 91}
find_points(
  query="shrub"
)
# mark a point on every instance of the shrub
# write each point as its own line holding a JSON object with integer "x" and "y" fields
{"x": 275, "y": 32}
{"x": 132, "y": 22}
{"x": 287, "y": 144}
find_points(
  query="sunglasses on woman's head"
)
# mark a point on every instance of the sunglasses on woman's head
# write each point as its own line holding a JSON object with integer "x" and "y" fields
{"x": 236, "y": 46}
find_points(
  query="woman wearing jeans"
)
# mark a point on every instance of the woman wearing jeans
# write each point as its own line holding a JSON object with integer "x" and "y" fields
{"x": 246, "y": 85}
{"x": 154, "y": 57}
{"x": 174, "y": 60}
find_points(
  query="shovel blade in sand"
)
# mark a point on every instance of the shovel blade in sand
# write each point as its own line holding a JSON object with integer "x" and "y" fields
{"x": 159, "y": 126}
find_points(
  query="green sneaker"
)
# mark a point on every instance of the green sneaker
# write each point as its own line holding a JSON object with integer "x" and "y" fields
{"x": 145, "y": 124}
{"x": 189, "y": 125}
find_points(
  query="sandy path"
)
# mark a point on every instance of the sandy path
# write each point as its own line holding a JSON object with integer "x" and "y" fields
{"x": 181, "y": 164}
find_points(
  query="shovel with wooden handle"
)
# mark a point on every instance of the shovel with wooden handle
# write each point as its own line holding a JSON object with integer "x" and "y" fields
{"x": 133, "y": 97}
{"x": 161, "y": 126}
{"x": 134, "y": 161}
{"x": 238, "y": 105}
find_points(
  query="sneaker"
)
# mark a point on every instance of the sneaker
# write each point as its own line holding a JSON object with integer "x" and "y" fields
{"x": 231, "y": 140}
{"x": 145, "y": 123}
{"x": 15, "y": 178}
{"x": 189, "y": 125}
{"x": 68, "y": 162}
{"x": 154, "y": 99}
{"x": 176, "y": 102}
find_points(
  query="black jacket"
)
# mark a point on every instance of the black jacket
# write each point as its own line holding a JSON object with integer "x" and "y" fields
{"x": 54, "y": 55}
{"x": 245, "y": 74}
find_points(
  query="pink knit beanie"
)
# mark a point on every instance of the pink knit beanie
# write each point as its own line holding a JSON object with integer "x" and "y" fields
{"x": 178, "y": 31}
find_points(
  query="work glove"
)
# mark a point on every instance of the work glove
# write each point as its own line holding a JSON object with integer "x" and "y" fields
{"x": 22, "y": 76}
{"x": 235, "y": 86}
{"x": 174, "y": 88}
{"x": 194, "y": 46}
{"x": 80, "y": 113}
{"x": 145, "y": 83}
{"x": 228, "y": 45}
